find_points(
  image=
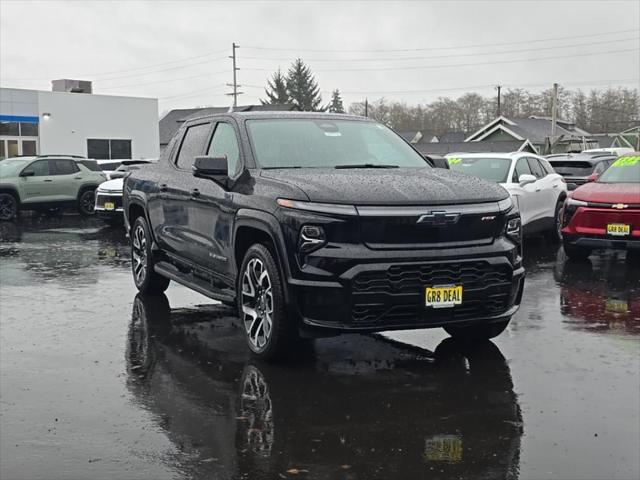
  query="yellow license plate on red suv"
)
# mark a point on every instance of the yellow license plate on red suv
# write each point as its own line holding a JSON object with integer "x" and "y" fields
{"x": 618, "y": 229}
{"x": 443, "y": 296}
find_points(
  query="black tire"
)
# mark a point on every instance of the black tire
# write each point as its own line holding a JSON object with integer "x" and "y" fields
{"x": 268, "y": 330}
{"x": 554, "y": 235}
{"x": 146, "y": 279}
{"x": 86, "y": 202}
{"x": 576, "y": 252}
{"x": 8, "y": 207}
{"x": 477, "y": 333}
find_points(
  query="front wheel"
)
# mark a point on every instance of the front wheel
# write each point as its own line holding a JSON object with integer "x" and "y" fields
{"x": 8, "y": 207}
{"x": 86, "y": 203}
{"x": 477, "y": 333}
{"x": 147, "y": 280}
{"x": 268, "y": 330}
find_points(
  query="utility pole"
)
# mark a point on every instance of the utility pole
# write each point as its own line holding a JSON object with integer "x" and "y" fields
{"x": 366, "y": 107}
{"x": 554, "y": 116}
{"x": 498, "y": 88}
{"x": 235, "y": 85}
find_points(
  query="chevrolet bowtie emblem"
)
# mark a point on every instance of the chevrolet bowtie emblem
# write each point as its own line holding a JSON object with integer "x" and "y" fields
{"x": 619, "y": 206}
{"x": 438, "y": 218}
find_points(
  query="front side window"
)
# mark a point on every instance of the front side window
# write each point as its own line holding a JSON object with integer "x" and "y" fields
{"x": 536, "y": 169}
{"x": 193, "y": 144}
{"x": 39, "y": 168}
{"x": 225, "y": 143}
{"x": 328, "y": 143}
{"x": 492, "y": 169}
{"x": 522, "y": 168}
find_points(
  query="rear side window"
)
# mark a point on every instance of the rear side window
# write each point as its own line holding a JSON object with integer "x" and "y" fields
{"x": 536, "y": 169}
{"x": 193, "y": 144}
{"x": 225, "y": 143}
{"x": 522, "y": 168}
{"x": 93, "y": 166}
{"x": 62, "y": 167}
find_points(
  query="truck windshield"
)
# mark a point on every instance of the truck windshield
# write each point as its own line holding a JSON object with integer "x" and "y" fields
{"x": 492, "y": 169}
{"x": 623, "y": 170}
{"x": 329, "y": 143}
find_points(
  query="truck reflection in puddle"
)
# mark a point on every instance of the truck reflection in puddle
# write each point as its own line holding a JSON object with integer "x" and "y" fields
{"x": 351, "y": 407}
{"x": 601, "y": 293}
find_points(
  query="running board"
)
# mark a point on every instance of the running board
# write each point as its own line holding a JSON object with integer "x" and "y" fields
{"x": 168, "y": 270}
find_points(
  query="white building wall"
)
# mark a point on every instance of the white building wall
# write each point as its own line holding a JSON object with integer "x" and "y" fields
{"x": 75, "y": 117}
{"x": 15, "y": 101}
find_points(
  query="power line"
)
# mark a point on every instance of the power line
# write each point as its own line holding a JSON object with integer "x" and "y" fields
{"x": 166, "y": 80}
{"x": 456, "y": 47}
{"x": 395, "y": 59}
{"x": 493, "y": 62}
{"x": 161, "y": 70}
{"x": 193, "y": 92}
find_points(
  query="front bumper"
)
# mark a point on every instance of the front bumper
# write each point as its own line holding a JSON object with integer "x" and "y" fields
{"x": 110, "y": 199}
{"x": 389, "y": 294}
{"x": 597, "y": 242}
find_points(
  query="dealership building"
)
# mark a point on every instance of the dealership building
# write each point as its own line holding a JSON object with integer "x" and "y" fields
{"x": 71, "y": 120}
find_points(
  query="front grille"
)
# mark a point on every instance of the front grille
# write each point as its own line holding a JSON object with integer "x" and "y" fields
{"x": 372, "y": 314}
{"x": 413, "y": 278}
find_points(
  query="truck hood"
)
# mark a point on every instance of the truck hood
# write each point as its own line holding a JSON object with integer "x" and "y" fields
{"x": 397, "y": 186}
{"x": 595, "y": 192}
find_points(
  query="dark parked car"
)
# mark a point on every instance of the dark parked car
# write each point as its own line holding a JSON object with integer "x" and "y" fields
{"x": 580, "y": 168}
{"x": 315, "y": 224}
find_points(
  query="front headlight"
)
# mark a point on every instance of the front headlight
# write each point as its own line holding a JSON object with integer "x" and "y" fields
{"x": 513, "y": 230}
{"x": 570, "y": 207}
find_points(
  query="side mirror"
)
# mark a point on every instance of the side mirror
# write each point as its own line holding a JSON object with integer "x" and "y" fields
{"x": 214, "y": 168}
{"x": 27, "y": 173}
{"x": 526, "y": 179}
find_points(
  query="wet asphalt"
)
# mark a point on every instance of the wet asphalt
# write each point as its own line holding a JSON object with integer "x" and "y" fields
{"x": 97, "y": 382}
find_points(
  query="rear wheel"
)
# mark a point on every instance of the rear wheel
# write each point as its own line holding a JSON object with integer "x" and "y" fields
{"x": 147, "y": 280}
{"x": 268, "y": 330}
{"x": 86, "y": 202}
{"x": 8, "y": 206}
{"x": 477, "y": 333}
{"x": 576, "y": 252}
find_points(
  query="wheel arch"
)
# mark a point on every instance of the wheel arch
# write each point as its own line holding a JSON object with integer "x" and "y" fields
{"x": 10, "y": 189}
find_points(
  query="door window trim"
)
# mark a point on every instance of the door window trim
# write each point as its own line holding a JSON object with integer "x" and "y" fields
{"x": 176, "y": 154}
{"x": 240, "y": 164}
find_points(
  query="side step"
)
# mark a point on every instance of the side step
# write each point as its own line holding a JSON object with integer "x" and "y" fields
{"x": 168, "y": 270}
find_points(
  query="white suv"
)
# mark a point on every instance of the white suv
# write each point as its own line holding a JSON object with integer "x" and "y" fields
{"x": 538, "y": 190}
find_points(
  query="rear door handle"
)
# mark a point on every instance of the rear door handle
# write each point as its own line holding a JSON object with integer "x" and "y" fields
{"x": 195, "y": 193}
{"x": 555, "y": 186}
{"x": 77, "y": 178}
{"x": 47, "y": 180}
{"x": 163, "y": 187}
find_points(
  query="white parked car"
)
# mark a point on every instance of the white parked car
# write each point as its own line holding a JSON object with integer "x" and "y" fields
{"x": 533, "y": 184}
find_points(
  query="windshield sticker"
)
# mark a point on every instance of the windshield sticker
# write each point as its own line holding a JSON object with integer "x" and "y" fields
{"x": 454, "y": 161}
{"x": 626, "y": 162}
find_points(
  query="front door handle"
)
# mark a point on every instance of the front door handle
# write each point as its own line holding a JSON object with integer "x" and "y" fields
{"x": 77, "y": 178}
{"x": 163, "y": 187}
{"x": 195, "y": 193}
{"x": 555, "y": 186}
{"x": 47, "y": 180}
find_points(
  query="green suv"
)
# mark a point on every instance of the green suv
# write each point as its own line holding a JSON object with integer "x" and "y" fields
{"x": 48, "y": 182}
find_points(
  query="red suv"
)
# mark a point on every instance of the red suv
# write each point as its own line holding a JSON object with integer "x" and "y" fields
{"x": 605, "y": 213}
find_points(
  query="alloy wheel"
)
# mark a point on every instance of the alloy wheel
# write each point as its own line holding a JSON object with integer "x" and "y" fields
{"x": 257, "y": 303}
{"x": 7, "y": 207}
{"x": 87, "y": 202}
{"x": 139, "y": 254}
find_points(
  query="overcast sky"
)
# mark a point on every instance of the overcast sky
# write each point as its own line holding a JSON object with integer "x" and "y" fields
{"x": 177, "y": 51}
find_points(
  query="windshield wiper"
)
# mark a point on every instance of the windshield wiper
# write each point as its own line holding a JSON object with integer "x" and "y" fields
{"x": 365, "y": 165}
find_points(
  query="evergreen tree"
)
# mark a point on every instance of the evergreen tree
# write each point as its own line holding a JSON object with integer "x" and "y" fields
{"x": 276, "y": 90}
{"x": 302, "y": 87}
{"x": 336, "y": 103}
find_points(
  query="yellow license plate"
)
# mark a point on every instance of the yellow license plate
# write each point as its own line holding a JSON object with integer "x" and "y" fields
{"x": 618, "y": 229}
{"x": 109, "y": 206}
{"x": 616, "y": 306}
{"x": 443, "y": 296}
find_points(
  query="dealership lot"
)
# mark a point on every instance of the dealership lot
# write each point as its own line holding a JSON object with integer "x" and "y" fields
{"x": 97, "y": 382}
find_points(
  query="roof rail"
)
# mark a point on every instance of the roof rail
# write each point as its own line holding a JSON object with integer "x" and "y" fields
{"x": 60, "y": 155}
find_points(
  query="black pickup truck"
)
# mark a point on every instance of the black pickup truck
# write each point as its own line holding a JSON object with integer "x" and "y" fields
{"x": 315, "y": 224}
